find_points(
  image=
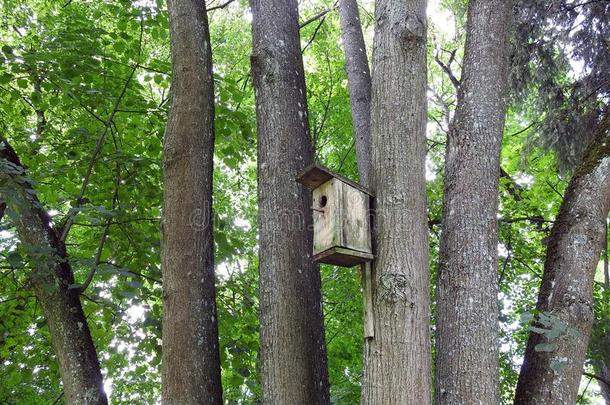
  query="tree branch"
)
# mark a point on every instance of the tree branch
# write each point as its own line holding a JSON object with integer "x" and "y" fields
{"x": 318, "y": 16}
{"x": 223, "y": 5}
{"x": 597, "y": 377}
{"x": 447, "y": 68}
{"x": 96, "y": 152}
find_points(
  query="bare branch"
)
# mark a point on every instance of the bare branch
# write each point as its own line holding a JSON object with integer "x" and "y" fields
{"x": 447, "y": 68}
{"x": 318, "y": 16}
{"x": 223, "y": 5}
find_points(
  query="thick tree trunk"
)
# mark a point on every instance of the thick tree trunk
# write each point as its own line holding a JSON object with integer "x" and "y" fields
{"x": 51, "y": 280}
{"x": 359, "y": 84}
{"x": 467, "y": 326}
{"x": 397, "y": 359}
{"x": 293, "y": 354}
{"x": 191, "y": 361}
{"x": 552, "y": 367}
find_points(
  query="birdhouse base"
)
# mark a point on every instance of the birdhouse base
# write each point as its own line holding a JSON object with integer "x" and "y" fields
{"x": 342, "y": 257}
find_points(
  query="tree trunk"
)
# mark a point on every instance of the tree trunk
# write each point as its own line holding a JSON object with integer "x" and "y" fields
{"x": 359, "y": 84}
{"x": 552, "y": 366}
{"x": 191, "y": 361}
{"x": 467, "y": 294}
{"x": 51, "y": 280}
{"x": 397, "y": 360}
{"x": 293, "y": 354}
{"x": 604, "y": 371}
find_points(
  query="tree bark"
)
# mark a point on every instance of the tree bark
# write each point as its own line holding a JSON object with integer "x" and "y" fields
{"x": 293, "y": 354}
{"x": 467, "y": 292}
{"x": 191, "y": 361}
{"x": 397, "y": 359}
{"x": 53, "y": 283}
{"x": 359, "y": 84}
{"x": 604, "y": 371}
{"x": 553, "y": 376}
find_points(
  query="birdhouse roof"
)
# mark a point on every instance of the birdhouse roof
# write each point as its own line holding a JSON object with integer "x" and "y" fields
{"x": 315, "y": 175}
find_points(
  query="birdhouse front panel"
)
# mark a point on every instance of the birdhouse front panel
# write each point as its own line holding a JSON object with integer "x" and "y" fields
{"x": 326, "y": 212}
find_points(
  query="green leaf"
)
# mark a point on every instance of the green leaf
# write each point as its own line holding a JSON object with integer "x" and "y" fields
{"x": 128, "y": 294}
{"x": 5, "y": 78}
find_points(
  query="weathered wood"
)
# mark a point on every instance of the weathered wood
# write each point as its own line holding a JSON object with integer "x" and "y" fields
{"x": 367, "y": 304}
{"x": 326, "y": 216}
{"x": 341, "y": 217}
{"x": 315, "y": 174}
{"x": 339, "y": 256}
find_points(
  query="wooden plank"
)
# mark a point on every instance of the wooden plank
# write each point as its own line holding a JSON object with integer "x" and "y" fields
{"x": 316, "y": 174}
{"x": 326, "y": 212}
{"x": 367, "y": 303}
{"x": 354, "y": 221}
{"x": 342, "y": 257}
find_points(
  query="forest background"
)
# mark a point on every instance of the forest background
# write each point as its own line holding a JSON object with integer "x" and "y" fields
{"x": 84, "y": 96}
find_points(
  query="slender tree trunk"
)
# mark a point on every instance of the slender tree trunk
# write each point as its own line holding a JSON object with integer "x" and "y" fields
{"x": 51, "y": 280}
{"x": 359, "y": 84}
{"x": 293, "y": 354}
{"x": 467, "y": 295}
{"x": 191, "y": 361}
{"x": 397, "y": 359}
{"x": 552, "y": 367}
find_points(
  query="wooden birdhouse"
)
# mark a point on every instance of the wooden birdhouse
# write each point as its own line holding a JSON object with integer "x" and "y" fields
{"x": 341, "y": 218}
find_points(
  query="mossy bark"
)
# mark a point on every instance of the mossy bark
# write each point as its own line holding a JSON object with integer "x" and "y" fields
{"x": 53, "y": 283}
{"x": 573, "y": 253}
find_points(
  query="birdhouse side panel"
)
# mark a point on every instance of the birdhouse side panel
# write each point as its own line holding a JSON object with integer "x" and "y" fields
{"x": 355, "y": 227}
{"x": 326, "y": 213}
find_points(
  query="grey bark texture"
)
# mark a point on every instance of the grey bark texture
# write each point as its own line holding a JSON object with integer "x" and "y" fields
{"x": 467, "y": 291}
{"x": 604, "y": 370}
{"x": 359, "y": 84}
{"x": 397, "y": 360}
{"x": 191, "y": 360}
{"x": 573, "y": 253}
{"x": 293, "y": 353}
{"x": 51, "y": 280}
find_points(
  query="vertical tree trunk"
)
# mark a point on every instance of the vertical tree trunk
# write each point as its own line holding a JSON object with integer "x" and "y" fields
{"x": 397, "y": 359}
{"x": 604, "y": 371}
{"x": 293, "y": 354}
{"x": 467, "y": 326}
{"x": 51, "y": 280}
{"x": 359, "y": 84}
{"x": 191, "y": 361}
{"x": 552, "y": 367}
